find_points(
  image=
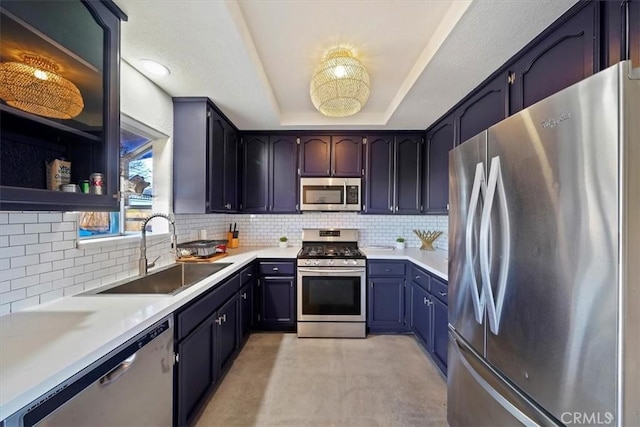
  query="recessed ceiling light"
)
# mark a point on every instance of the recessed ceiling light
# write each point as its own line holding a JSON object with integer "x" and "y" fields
{"x": 154, "y": 67}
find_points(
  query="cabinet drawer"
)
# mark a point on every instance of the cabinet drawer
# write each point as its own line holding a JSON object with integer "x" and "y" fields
{"x": 247, "y": 274}
{"x": 192, "y": 316}
{"x": 440, "y": 290}
{"x": 386, "y": 269}
{"x": 420, "y": 277}
{"x": 277, "y": 268}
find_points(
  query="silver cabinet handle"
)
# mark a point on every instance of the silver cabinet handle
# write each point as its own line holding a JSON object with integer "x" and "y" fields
{"x": 249, "y": 275}
{"x": 443, "y": 294}
{"x": 328, "y": 171}
{"x": 429, "y": 302}
{"x": 417, "y": 277}
{"x": 396, "y": 209}
{"x": 425, "y": 300}
{"x": 218, "y": 320}
{"x": 244, "y": 295}
{"x": 391, "y": 208}
{"x": 387, "y": 270}
{"x": 276, "y": 269}
{"x": 224, "y": 318}
{"x": 118, "y": 371}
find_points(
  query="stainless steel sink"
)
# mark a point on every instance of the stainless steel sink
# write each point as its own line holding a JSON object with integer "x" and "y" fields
{"x": 170, "y": 280}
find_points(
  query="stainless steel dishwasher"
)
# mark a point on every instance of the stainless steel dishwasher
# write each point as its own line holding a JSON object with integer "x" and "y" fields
{"x": 130, "y": 386}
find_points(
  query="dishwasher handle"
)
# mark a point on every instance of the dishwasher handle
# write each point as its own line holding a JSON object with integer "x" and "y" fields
{"x": 118, "y": 371}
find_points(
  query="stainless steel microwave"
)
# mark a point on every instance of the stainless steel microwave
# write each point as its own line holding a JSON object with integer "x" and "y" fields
{"x": 330, "y": 194}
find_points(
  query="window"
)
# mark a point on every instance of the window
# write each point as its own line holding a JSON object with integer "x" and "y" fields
{"x": 137, "y": 190}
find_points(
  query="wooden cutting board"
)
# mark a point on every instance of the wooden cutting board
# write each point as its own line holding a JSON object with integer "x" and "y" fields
{"x": 203, "y": 260}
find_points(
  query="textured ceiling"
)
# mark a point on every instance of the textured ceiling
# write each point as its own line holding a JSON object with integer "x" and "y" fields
{"x": 254, "y": 58}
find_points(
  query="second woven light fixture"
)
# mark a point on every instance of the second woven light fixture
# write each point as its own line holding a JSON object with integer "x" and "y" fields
{"x": 340, "y": 84}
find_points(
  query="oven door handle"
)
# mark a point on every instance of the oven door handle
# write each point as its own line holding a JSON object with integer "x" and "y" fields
{"x": 330, "y": 270}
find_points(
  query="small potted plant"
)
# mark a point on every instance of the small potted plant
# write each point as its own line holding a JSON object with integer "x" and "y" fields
{"x": 400, "y": 243}
{"x": 283, "y": 241}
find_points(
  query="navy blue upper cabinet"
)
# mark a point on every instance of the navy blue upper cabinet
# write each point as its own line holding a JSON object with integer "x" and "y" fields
{"x": 315, "y": 155}
{"x": 483, "y": 109}
{"x": 255, "y": 175}
{"x": 270, "y": 173}
{"x": 407, "y": 182}
{"x": 379, "y": 174}
{"x": 439, "y": 141}
{"x": 283, "y": 186}
{"x": 87, "y": 34}
{"x": 392, "y": 174}
{"x": 325, "y": 155}
{"x": 205, "y": 153}
{"x": 563, "y": 57}
{"x": 346, "y": 156}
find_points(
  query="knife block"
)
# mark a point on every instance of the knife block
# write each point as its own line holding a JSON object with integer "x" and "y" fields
{"x": 232, "y": 242}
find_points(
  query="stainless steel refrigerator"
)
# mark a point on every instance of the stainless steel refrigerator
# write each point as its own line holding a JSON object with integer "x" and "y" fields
{"x": 544, "y": 262}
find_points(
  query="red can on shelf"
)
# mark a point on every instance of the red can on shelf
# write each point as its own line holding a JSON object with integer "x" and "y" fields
{"x": 96, "y": 183}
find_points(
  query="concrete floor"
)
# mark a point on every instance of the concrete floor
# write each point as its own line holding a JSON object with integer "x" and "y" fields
{"x": 280, "y": 380}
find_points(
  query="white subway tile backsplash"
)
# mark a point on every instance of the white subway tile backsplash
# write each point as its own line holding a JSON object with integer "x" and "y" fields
{"x": 44, "y": 267}
{"x": 23, "y": 218}
{"x": 39, "y": 248}
{"x": 14, "y": 295}
{"x": 50, "y": 217}
{"x": 50, "y": 296}
{"x": 21, "y": 261}
{"x": 25, "y": 303}
{"x": 38, "y": 252}
{"x": 24, "y": 282}
{"x": 23, "y": 239}
{"x": 37, "y": 228}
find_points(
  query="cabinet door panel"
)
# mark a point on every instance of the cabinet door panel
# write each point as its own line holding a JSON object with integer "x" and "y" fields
{"x": 561, "y": 59}
{"x": 407, "y": 184}
{"x": 315, "y": 155}
{"x": 246, "y": 310}
{"x": 230, "y": 169}
{"x": 386, "y": 304}
{"x": 284, "y": 184}
{"x": 277, "y": 300}
{"x": 196, "y": 371}
{"x": 421, "y": 315}
{"x": 483, "y": 110}
{"x": 379, "y": 175}
{"x": 215, "y": 180}
{"x": 439, "y": 143}
{"x": 255, "y": 194}
{"x": 228, "y": 319}
{"x": 440, "y": 333}
{"x": 346, "y": 156}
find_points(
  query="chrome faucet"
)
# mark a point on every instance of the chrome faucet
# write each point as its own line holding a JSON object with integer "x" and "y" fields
{"x": 143, "y": 265}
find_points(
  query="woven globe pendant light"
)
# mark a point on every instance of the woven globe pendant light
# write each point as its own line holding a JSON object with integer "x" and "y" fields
{"x": 34, "y": 86}
{"x": 340, "y": 84}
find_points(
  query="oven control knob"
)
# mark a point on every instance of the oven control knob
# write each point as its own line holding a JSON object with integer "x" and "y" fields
{"x": 330, "y": 262}
{"x": 307, "y": 261}
{"x": 316, "y": 262}
{"x": 354, "y": 262}
{"x": 345, "y": 262}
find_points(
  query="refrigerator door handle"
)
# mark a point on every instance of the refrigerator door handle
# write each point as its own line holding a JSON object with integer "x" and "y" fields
{"x": 464, "y": 354}
{"x": 479, "y": 187}
{"x": 495, "y": 305}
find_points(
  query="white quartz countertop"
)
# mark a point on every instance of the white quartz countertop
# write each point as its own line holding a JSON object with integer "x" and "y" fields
{"x": 436, "y": 262}
{"x": 43, "y": 346}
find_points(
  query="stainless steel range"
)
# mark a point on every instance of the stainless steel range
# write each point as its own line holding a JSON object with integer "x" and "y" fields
{"x": 331, "y": 285}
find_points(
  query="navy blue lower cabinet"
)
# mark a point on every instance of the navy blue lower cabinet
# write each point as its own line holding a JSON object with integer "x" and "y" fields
{"x": 245, "y": 317}
{"x": 386, "y": 304}
{"x": 196, "y": 372}
{"x": 226, "y": 334}
{"x": 440, "y": 334}
{"x": 421, "y": 315}
{"x": 277, "y": 304}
